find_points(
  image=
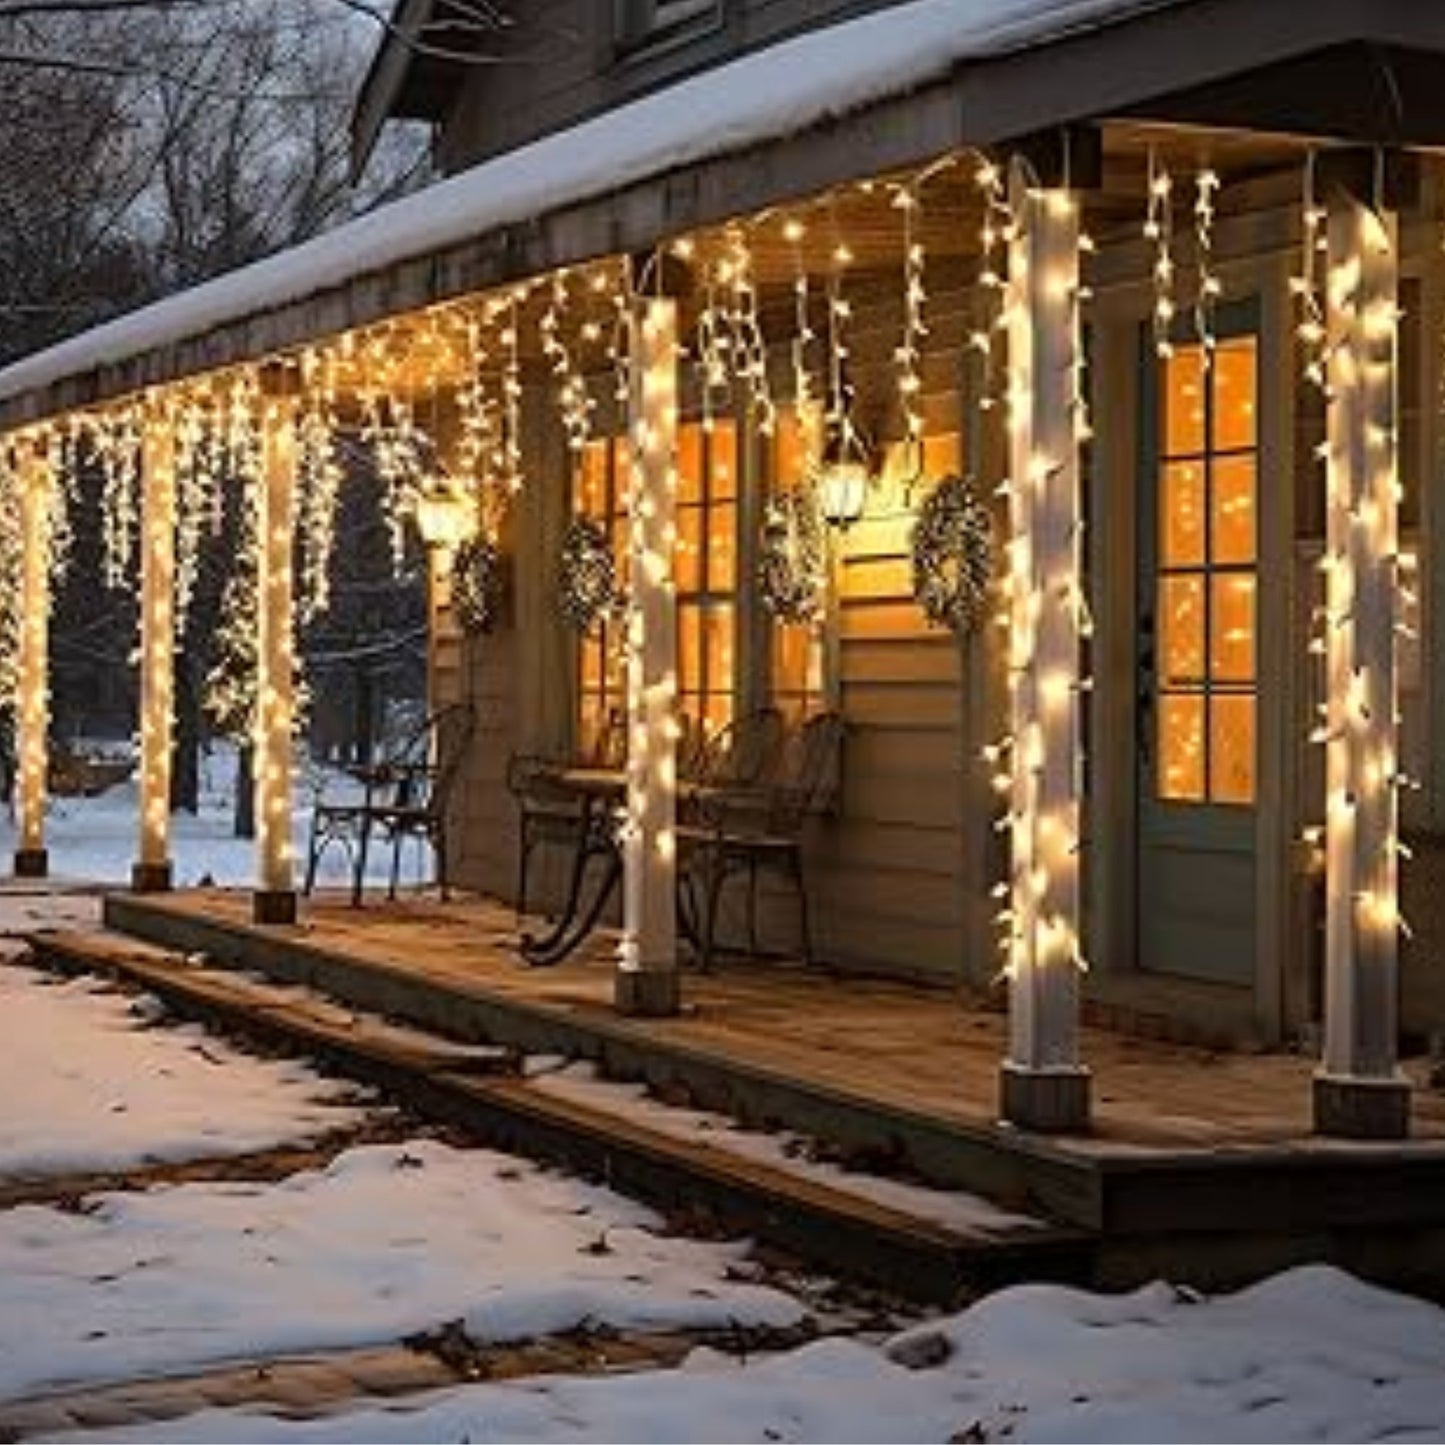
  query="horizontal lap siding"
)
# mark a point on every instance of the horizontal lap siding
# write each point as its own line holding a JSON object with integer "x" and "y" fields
{"x": 889, "y": 870}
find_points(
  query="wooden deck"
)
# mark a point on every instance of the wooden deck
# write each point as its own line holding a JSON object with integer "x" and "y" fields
{"x": 909, "y": 1048}
{"x": 1201, "y": 1165}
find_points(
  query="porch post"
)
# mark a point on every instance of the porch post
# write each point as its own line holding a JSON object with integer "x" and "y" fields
{"x": 152, "y": 870}
{"x": 1043, "y": 1085}
{"x": 275, "y": 900}
{"x": 1359, "y": 1091}
{"x": 33, "y": 661}
{"x": 647, "y": 955}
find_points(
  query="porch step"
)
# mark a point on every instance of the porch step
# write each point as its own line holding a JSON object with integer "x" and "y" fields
{"x": 837, "y": 1227}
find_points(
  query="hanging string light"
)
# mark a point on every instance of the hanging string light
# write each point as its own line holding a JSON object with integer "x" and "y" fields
{"x": 512, "y": 396}
{"x": 908, "y": 355}
{"x": 114, "y": 442}
{"x": 1159, "y": 232}
{"x": 12, "y": 557}
{"x": 996, "y": 230}
{"x": 750, "y": 347}
{"x": 804, "y": 336}
{"x": 1308, "y": 287}
{"x": 573, "y": 400}
{"x": 1206, "y": 189}
{"x": 714, "y": 346}
{"x": 319, "y": 477}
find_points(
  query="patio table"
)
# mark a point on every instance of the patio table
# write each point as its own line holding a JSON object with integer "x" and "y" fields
{"x": 601, "y": 794}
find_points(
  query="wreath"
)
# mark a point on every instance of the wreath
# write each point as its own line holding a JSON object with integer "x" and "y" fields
{"x": 952, "y": 545}
{"x": 793, "y": 558}
{"x": 477, "y": 586}
{"x": 587, "y": 581}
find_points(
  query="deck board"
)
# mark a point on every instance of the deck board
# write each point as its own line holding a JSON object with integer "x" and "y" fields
{"x": 925, "y": 1050}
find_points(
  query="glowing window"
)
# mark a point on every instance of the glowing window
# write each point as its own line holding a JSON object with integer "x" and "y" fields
{"x": 1206, "y": 588}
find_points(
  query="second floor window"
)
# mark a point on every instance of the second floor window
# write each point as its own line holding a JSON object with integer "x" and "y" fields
{"x": 642, "y": 21}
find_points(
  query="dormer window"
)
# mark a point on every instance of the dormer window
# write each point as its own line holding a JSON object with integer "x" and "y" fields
{"x": 645, "y": 22}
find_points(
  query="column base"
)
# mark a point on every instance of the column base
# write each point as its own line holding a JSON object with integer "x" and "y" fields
{"x": 1046, "y": 1101}
{"x": 150, "y": 877}
{"x": 1348, "y": 1108}
{"x": 647, "y": 993}
{"x": 274, "y": 905}
{"x": 32, "y": 863}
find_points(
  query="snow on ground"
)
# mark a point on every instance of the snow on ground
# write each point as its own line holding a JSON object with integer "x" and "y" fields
{"x": 86, "y": 1085}
{"x": 95, "y": 839}
{"x": 1312, "y": 1354}
{"x": 385, "y": 1240}
{"x": 579, "y": 1082}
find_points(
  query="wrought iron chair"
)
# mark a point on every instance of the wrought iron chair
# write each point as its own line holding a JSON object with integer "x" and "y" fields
{"x": 754, "y": 829}
{"x": 404, "y": 796}
{"x": 547, "y": 811}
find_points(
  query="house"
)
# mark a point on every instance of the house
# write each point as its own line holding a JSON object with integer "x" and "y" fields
{"x": 1160, "y": 278}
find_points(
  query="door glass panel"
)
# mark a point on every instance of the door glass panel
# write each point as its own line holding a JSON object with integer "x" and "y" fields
{"x": 1233, "y": 424}
{"x": 1181, "y": 747}
{"x": 1232, "y": 485}
{"x": 1231, "y": 633}
{"x": 723, "y": 460}
{"x": 1231, "y": 748}
{"x": 1182, "y": 515}
{"x": 1184, "y": 402}
{"x": 1181, "y": 609}
{"x": 689, "y": 652}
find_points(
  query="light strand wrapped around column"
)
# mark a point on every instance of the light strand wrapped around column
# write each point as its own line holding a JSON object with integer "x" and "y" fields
{"x": 152, "y": 871}
{"x": 275, "y": 900}
{"x": 1043, "y": 1084}
{"x": 647, "y": 954}
{"x": 35, "y": 461}
{"x": 1359, "y": 1089}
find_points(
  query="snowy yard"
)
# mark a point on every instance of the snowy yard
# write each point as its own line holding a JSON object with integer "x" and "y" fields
{"x": 1309, "y": 1355}
{"x": 376, "y": 1241}
{"x": 94, "y": 839}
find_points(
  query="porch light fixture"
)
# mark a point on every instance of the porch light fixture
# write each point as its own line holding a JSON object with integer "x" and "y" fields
{"x": 445, "y": 516}
{"x": 844, "y": 475}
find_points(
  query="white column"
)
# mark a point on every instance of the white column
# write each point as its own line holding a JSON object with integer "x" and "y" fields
{"x": 32, "y": 720}
{"x": 275, "y": 900}
{"x": 647, "y": 955}
{"x": 152, "y": 871}
{"x": 1359, "y": 1090}
{"x": 1043, "y": 1084}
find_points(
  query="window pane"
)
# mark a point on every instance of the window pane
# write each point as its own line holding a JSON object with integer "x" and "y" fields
{"x": 722, "y": 548}
{"x": 689, "y": 647}
{"x": 1181, "y": 629}
{"x": 591, "y": 651}
{"x": 942, "y": 453}
{"x": 718, "y": 627}
{"x": 689, "y": 463}
{"x": 789, "y": 457}
{"x": 689, "y": 549}
{"x": 1232, "y": 505}
{"x": 718, "y": 709}
{"x": 1231, "y": 744}
{"x": 723, "y": 461}
{"x": 1184, "y": 402}
{"x": 1181, "y": 523}
{"x": 1231, "y": 642}
{"x": 591, "y": 493}
{"x": 1234, "y": 389}
{"x": 1181, "y": 746}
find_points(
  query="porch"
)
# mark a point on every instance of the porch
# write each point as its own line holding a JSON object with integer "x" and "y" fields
{"x": 1198, "y": 1160}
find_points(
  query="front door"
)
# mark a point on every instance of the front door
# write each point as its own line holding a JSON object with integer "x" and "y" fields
{"x": 1198, "y": 692}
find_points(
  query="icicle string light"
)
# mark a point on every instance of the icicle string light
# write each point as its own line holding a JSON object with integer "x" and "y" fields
{"x": 319, "y": 481}
{"x": 750, "y": 350}
{"x": 1209, "y": 287}
{"x": 1159, "y": 232}
{"x": 1311, "y": 331}
{"x": 908, "y": 356}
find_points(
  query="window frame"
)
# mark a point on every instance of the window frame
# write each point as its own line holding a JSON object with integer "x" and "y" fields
{"x": 644, "y": 25}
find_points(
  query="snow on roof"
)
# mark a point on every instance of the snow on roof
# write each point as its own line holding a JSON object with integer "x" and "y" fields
{"x": 776, "y": 91}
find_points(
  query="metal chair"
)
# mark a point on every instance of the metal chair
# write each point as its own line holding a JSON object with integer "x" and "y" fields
{"x": 406, "y": 795}
{"x": 752, "y": 830}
